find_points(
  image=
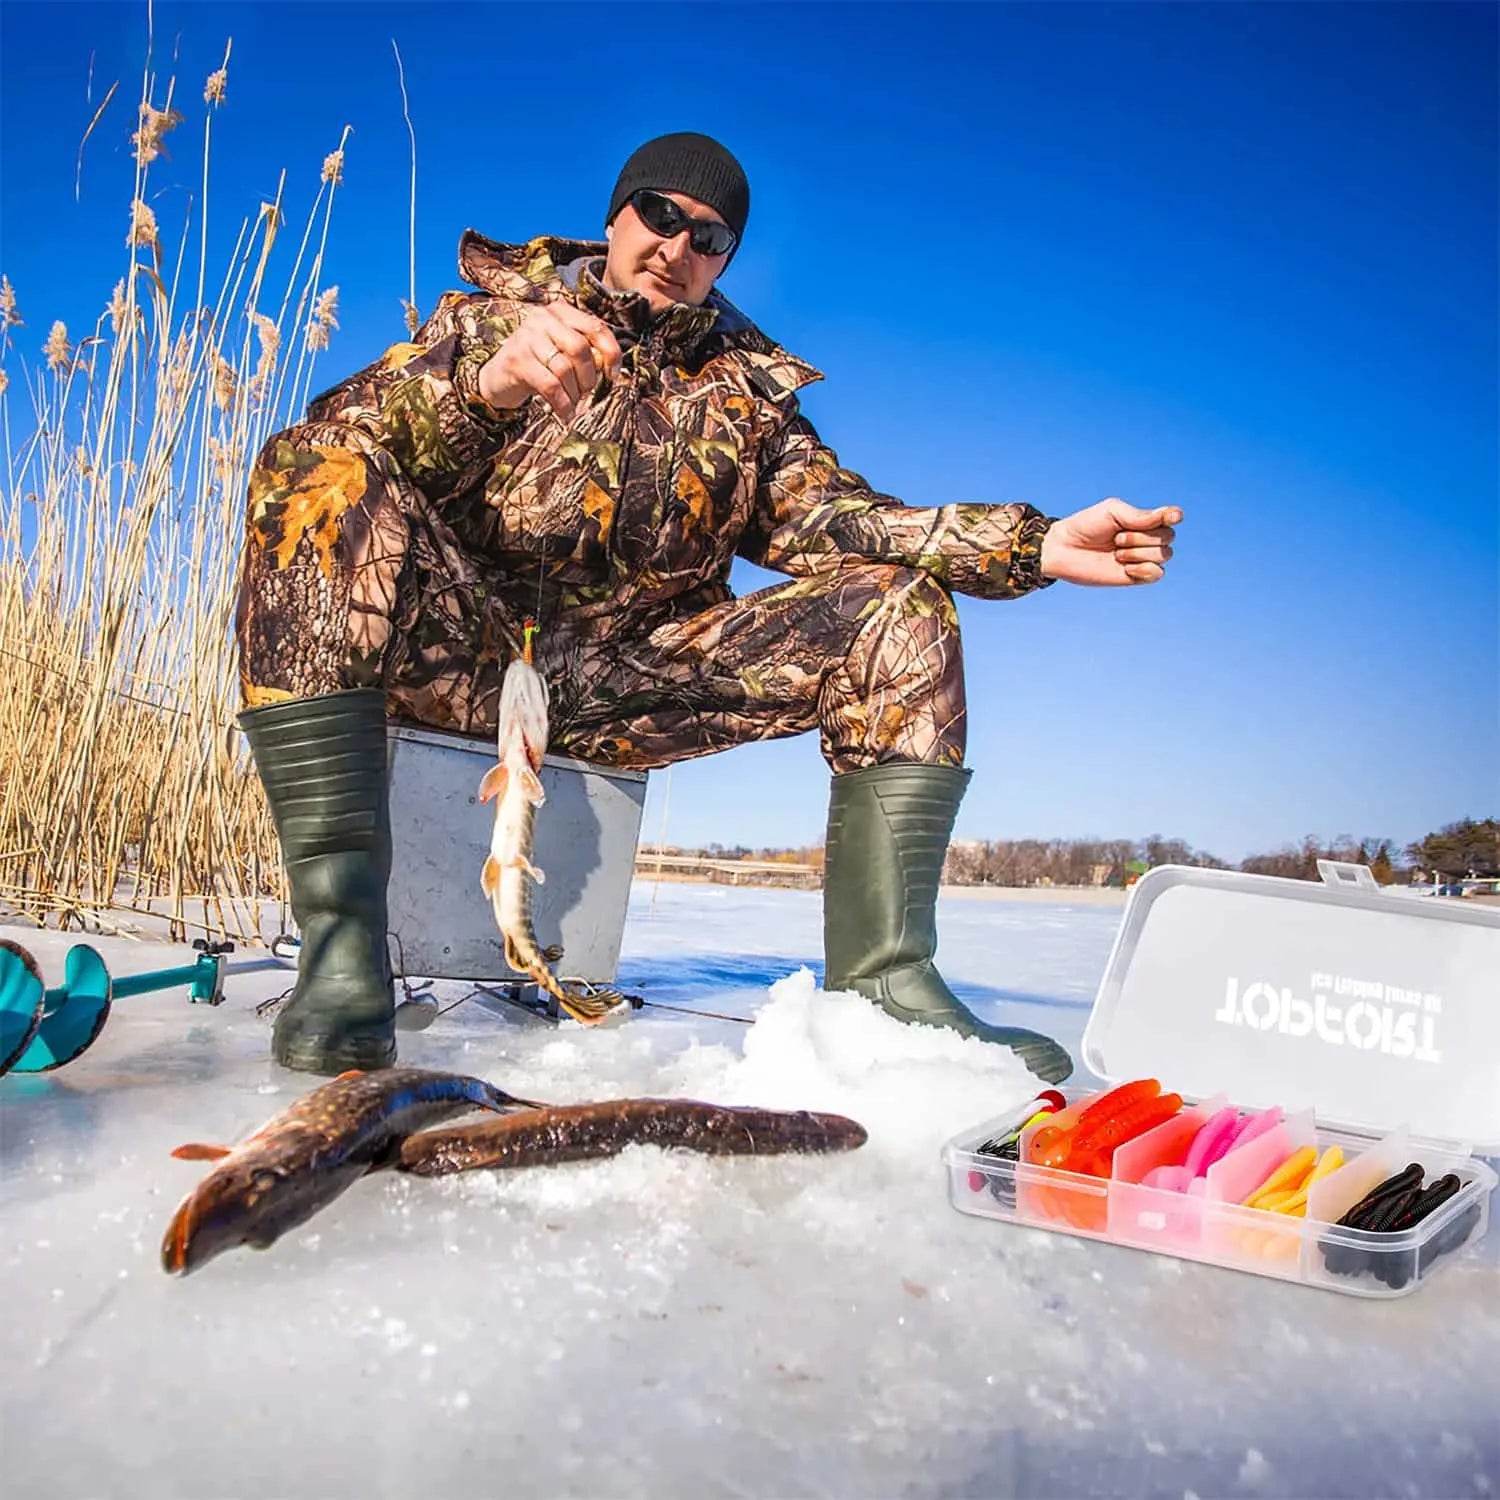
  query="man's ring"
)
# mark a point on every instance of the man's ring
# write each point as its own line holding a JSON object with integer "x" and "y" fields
{"x": 553, "y": 356}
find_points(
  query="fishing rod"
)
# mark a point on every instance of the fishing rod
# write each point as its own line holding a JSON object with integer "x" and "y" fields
{"x": 538, "y": 1004}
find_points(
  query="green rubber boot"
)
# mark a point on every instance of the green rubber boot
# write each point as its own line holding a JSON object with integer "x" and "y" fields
{"x": 888, "y": 832}
{"x": 323, "y": 763}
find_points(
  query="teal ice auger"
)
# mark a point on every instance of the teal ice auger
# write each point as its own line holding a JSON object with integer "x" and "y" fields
{"x": 42, "y": 1029}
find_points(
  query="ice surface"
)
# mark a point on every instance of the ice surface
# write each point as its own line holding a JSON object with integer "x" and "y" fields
{"x": 661, "y": 1324}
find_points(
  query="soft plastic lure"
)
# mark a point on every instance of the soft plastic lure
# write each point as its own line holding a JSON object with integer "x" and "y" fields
{"x": 1399, "y": 1203}
{"x": 1120, "y": 1098}
{"x": 1289, "y": 1176}
{"x": 1093, "y": 1149}
{"x": 1223, "y": 1132}
{"x": 1052, "y": 1145}
{"x": 1212, "y": 1141}
{"x": 1285, "y": 1192}
{"x": 1048, "y": 1102}
{"x": 1406, "y": 1215}
{"x": 1111, "y": 1120}
{"x": 1253, "y": 1126}
{"x": 1007, "y": 1147}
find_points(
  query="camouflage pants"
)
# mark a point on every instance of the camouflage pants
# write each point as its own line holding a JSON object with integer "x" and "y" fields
{"x": 353, "y": 577}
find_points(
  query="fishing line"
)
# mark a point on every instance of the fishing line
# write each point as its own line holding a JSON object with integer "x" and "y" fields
{"x": 541, "y": 574}
{"x": 661, "y": 837}
{"x": 688, "y": 1010}
{"x": 635, "y": 1001}
{"x": 455, "y": 1003}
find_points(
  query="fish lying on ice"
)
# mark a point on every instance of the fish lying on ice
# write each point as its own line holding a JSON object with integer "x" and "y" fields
{"x": 302, "y": 1159}
{"x": 521, "y": 742}
{"x": 577, "y": 1132}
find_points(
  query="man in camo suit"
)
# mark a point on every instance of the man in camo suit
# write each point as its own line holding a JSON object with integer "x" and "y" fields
{"x": 591, "y": 438}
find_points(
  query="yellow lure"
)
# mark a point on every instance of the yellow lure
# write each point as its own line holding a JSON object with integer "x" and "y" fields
{"x": 1288, "y": 1175}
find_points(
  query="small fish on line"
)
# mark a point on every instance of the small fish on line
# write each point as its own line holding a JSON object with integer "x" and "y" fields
{"x": 515, "y": 786}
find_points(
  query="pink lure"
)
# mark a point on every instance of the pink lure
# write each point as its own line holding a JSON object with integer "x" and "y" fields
{"x": 1212, "y": 1141}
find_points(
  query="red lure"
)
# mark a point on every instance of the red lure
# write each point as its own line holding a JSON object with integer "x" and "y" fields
{"x": 1094, "y": 1148}
{"x": 1053, "y": 1144}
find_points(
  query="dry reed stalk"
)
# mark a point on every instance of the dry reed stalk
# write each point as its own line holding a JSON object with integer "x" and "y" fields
{"x": 409, "y": 304}
{"x": 123, "y": 782}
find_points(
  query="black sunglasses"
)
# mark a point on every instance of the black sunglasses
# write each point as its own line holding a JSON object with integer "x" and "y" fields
{"x": 662, "y": 216}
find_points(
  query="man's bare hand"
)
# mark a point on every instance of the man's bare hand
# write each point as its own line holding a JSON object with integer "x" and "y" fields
{"x": 557, "y": 352}
{"x": 1110, "y": 543}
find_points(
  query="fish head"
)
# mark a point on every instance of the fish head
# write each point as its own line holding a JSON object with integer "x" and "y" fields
{"x": 250, "y": 1198}
{"x": 522, "y": 721}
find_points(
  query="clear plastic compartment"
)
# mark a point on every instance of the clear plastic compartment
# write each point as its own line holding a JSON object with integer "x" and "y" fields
{"x": 1370, "y": 1007}
{"x": 1215, "y": 1227}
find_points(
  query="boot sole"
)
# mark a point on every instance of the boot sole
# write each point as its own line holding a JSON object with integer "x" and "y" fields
{"x": 311, "y": 1056}
{"x": 1051, "y": 1063}
{"x": 1049, "y": 1060}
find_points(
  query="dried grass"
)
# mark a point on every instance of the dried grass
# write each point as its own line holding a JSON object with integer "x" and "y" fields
{"x": 123, "y": 781}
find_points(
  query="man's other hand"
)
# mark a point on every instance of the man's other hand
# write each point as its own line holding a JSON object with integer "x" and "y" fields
{"x": 1110, "y": 543}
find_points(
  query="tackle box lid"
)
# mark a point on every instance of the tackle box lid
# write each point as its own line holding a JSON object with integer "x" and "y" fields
{"x": 1378, "y": 1009}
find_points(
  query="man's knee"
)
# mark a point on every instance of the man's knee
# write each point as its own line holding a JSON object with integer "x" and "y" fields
{"x": 909, "y": 597}
{"x": 903, "y": 676}
{"x": 910, "y": 635}
{"x": 322, "y": 455}
{"x": 317, "y": 593}
{"x": 304, "y": 481}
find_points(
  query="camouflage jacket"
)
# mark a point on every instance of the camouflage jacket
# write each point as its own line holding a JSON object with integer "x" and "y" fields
{"x": 696, "y": 452}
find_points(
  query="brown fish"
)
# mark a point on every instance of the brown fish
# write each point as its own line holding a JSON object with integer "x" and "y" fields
{"x": 306, "y": 1156}
{"x": 514, "y": 784}
{"x": 578, "y": 1132}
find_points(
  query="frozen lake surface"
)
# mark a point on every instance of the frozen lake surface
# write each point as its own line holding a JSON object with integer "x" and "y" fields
{"x": 668, "y": 1325}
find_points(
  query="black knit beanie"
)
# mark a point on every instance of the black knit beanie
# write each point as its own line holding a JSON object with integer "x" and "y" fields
{"x": 687, "y": 163}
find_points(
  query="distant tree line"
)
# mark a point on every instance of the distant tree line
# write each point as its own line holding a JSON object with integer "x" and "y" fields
{"x": 1455, "y": 851}
{"x": 1300, "y": 861}
{"x": 1466, "y": 848}
{"x": 1458, "y": 850}
{"x": 808, "y": 854}
{"x": 1065, "y": 861}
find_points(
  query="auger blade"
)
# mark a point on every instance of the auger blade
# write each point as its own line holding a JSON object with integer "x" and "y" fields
{"x": 73, "y": 1016}
{"x": 23, "y": 998}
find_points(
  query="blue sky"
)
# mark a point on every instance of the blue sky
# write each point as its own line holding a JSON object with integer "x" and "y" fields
{"x": 1242, "y": 259}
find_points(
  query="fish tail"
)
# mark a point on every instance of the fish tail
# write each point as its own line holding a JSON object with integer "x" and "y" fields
{"x": 588, "y": 1009}
{"x": 588, "y": 1006}
{"x": 569, "y": 1001}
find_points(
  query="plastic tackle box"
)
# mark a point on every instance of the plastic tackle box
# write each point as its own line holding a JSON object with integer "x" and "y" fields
{"x": 1372, "y": 1018}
